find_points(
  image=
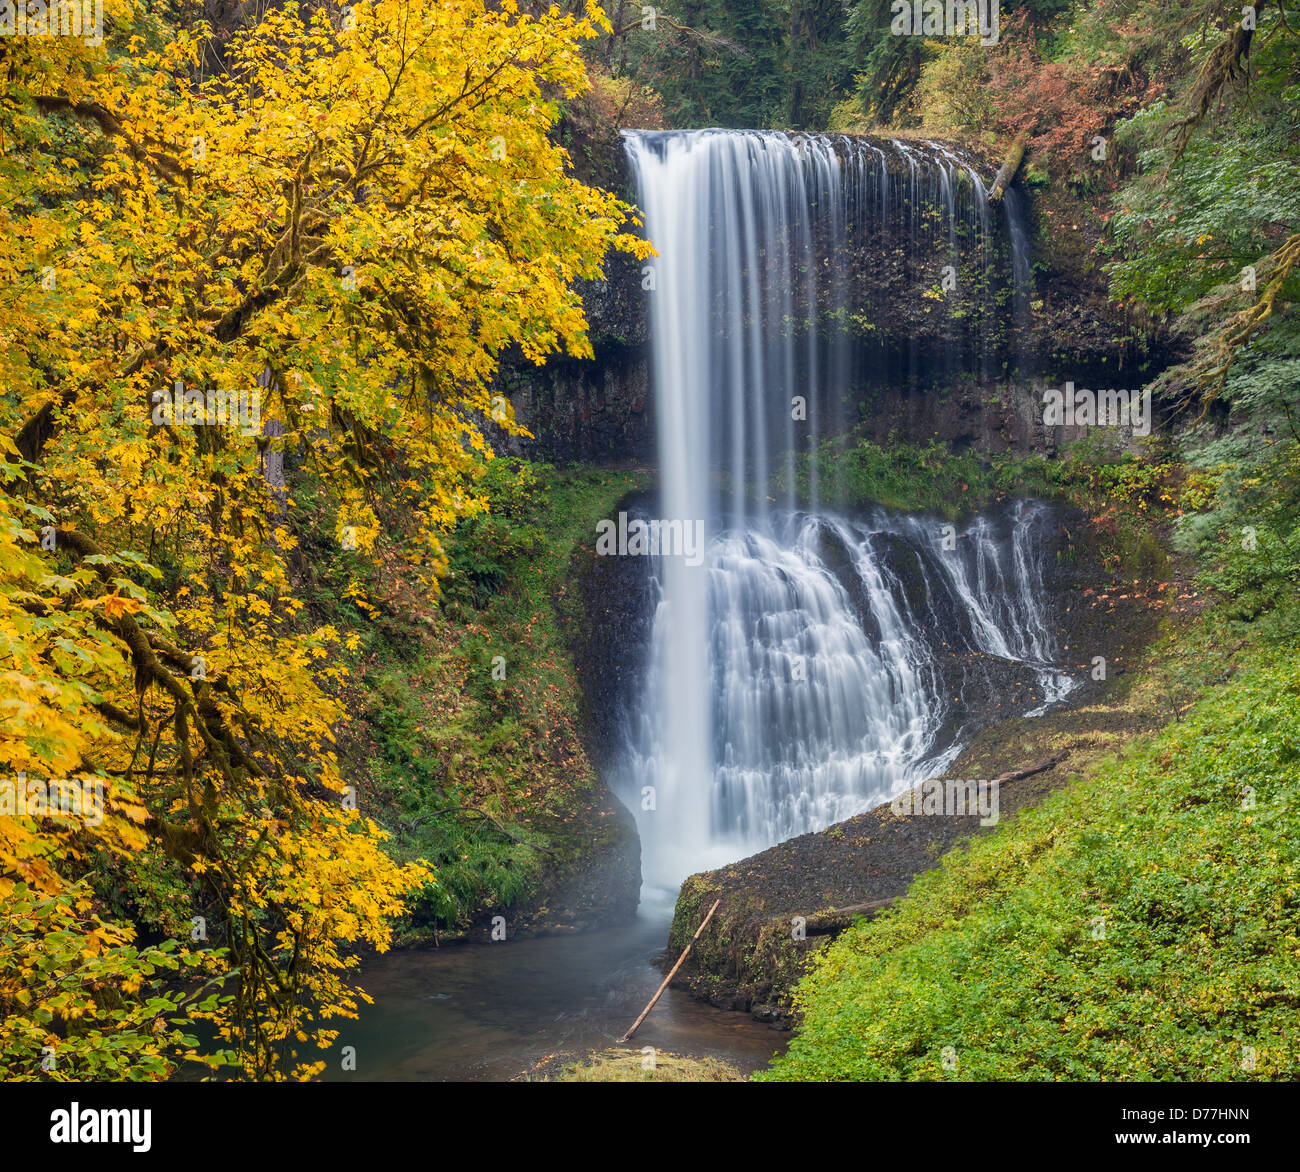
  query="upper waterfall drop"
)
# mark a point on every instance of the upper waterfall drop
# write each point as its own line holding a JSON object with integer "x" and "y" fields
{"x": 805, "y": 670}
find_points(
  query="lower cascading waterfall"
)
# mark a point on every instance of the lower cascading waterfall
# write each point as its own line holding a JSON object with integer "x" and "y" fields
{"x": 830, "y": 647}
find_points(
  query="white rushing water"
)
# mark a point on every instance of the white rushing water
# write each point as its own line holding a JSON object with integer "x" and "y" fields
{"x": 797, "y": 676}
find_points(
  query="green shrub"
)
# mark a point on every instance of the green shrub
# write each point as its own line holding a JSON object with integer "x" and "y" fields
{"x": 486, "y": 546}
{"x": 856, "y": 473}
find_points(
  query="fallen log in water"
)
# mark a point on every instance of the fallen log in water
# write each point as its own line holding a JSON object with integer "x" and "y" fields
{"x": 636, "y": 1025}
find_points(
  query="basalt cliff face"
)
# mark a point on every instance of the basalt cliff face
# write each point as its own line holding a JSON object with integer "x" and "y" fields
{"x": 955, "y": 324}
{"x": 599, "y": 409}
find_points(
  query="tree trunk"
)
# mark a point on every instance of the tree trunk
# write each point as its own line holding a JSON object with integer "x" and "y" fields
{"x": 1014, "y": 158}
{"x": 829, "y": 923}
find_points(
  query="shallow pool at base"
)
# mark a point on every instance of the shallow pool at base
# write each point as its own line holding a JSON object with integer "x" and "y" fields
{"x": 492, "y": 1012}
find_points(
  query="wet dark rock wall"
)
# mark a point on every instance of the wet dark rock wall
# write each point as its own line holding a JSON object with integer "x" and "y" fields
{"x": 966, "y": 366}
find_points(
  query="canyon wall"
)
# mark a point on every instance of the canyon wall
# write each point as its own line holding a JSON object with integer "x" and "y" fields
{"x": 964, "y": 365}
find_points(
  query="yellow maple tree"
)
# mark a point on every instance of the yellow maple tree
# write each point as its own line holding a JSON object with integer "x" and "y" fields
{"x": 308, "y": 244}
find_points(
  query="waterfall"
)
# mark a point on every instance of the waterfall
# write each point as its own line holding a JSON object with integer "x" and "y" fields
{"x": 804, "y": 670}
